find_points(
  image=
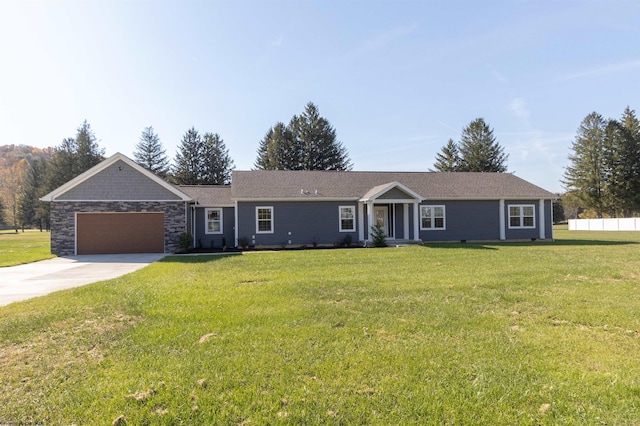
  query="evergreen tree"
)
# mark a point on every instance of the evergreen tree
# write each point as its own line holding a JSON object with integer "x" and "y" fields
{"x": 62, "y": 166}
{"x": 586, "y": 175}
{"x": 73, "y": 157}
{"x": 309, "y": 142}
{"x": 278, "y": 150}
{"x": 448, "y": 160}
{"x": 150, "y": 153}
{"x": 188, "y": 162}
{"x": 88, "y": 152}
{"x": 32, "y": 211}
{"x": 217, "y": 164}
{"x": 479, "y": 151}
{"x": 630, "y": 159}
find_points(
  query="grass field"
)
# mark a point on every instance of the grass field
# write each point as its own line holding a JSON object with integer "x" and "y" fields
{"x": 23, "y": 247}
{"x": 513, "y": 333}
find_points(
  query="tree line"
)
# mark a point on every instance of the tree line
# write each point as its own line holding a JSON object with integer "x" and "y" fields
{"x": 603, "y": 176}
{"x": 309, "y": 142}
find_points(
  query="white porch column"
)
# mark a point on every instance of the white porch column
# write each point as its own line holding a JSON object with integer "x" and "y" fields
{"x": 502, "y": 221}
{"x": 370, "y": 219}
{"x": 405, "y": 220}
{"x": 360, "y": 221}
{"x": 416, "y": 221}
{"x": 541, "y": 224}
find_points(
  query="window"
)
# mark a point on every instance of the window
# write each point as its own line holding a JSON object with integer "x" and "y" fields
{"x": 213, "y": 218}
{"x": 522, "y": 216}
{"x": 432, "y": 217}
{"x": 347, "y": 219}
{"x": 264, "y": 220}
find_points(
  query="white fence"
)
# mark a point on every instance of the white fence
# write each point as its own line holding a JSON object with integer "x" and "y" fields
{"x": 623, "y": 224}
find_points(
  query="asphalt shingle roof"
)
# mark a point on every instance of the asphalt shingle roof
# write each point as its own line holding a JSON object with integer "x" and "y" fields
{"x": 209, "y": 195}
{"x": 262, "y": 184}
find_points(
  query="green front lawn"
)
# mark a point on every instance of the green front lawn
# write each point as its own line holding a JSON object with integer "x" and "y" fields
{"x": 24, "y": 247}
{"x": 513, "y": 333}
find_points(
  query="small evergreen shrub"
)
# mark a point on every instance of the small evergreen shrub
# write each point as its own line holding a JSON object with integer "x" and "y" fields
{"x": 379, "y": 238}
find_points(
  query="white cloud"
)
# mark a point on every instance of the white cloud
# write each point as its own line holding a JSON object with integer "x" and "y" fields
{"x": 601, "y": 70}
{"x": 518, "y": 106}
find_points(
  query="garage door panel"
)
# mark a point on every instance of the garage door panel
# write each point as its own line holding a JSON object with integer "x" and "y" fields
{"x": 110, "y": 233}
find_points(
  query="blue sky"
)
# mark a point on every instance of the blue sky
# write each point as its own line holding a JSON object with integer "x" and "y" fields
{"x": 396, "y": 79}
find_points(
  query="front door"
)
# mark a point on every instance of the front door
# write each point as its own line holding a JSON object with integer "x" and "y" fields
{"x": 381, "y": 217}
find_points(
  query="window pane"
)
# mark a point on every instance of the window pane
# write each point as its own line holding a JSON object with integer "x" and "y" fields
{"x": 213, "y": 215}
{"x": 264, "y": 214}
{"x": 438, "y": 211}
{"x": 528, "y": 221}
{"x": 514, "y": 221}
{"x": 439, "y": 222}
{"x": 213, "y": 227}
{"x": 346, "y": 213}
{"x": 264, "y": 225}
{"x": 426, "y": 211}
{"x": 347, "y": 224}
{"x": 426, "y": 222}
{"x": 514, "y": 211}
{"x": 527, "y": 210}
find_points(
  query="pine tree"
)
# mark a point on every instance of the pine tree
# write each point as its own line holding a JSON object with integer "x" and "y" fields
{"x": 187, "y": 165}
{"x": 278, "y": 150}
{"x": 479, "y": 151}
{"x": 585, "y": 176}
{"x": 217, "y": 164}
{"x": 32, "y": 211}
{"x": 73, "y": 157}
{"x": 448, "y": 160}
{"x": 150, "y": 153}
{"x": 631, "y": 158}
{"x": 88, "y": 152}
{"x": 308, "y": 142}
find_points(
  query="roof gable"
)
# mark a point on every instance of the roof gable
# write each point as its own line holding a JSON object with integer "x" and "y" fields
{"x": 391, "y": 191}
{"x": 117, "y": 178}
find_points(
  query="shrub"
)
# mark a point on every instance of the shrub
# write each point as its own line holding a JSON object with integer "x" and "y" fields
{"x": 379, "y": 237}
{"x": 243, "y": 242}
{"x": 186, "y": 242}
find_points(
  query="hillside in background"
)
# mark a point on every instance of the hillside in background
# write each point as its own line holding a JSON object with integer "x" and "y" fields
{"x": 11, "y": 154}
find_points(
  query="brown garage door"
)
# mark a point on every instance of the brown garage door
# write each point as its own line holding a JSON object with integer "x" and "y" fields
{"x": 103, "y": 233}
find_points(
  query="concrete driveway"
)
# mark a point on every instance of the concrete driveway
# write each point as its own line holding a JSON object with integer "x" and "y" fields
{"x": 39, "y": 278}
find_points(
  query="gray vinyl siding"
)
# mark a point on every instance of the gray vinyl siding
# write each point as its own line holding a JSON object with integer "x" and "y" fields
{"x": 204, "y": 240}
{"x": 395, "y": 194}
{"x": 466, "y": 220}
{"x": 302, "y": 223}
{"x": 118, "y": 182}
{"x": 530, "y": 233}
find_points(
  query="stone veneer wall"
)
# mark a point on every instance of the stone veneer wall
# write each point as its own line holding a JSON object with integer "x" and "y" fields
{"x": 63, "y": 220}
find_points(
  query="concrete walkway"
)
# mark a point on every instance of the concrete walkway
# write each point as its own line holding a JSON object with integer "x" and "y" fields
{"x": 39, "y": 278}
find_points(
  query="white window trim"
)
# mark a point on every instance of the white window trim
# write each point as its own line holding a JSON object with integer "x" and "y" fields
{"x": 353, "y": 211}
{"x": 206, "y": 221}
{"x": 433, "y": 217}
{"x": 257, "y": 221}
{"x": 521, "y": 216}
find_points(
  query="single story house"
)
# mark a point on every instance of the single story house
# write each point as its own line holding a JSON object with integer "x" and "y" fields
{"x": 120, "y": 207}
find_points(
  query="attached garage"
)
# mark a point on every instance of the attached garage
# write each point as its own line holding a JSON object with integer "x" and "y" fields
{"x": 117, "y": 207}
{"x": 107, "y": 233}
